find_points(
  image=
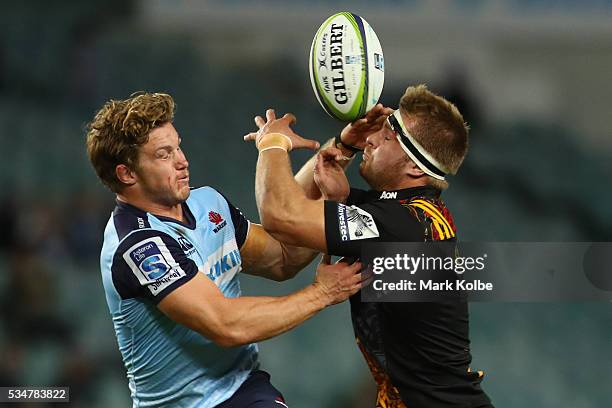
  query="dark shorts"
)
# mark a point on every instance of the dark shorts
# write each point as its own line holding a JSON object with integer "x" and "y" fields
{"x": 256, "y": 392}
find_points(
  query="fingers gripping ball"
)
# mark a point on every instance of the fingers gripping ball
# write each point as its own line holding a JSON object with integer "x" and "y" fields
{"x": 346, "y": 66}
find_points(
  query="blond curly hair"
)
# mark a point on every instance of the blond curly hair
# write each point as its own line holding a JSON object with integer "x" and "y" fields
{"x": 120, "y": 128}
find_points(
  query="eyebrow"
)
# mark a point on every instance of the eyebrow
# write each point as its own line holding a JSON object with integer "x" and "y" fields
{"x": 168, "y": 147}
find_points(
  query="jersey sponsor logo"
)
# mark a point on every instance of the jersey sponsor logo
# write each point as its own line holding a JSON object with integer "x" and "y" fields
{"x": 216, "y": 219}
{"x": 342, "y": 222}
{"x": 184, "y": 243}
{"x": 356, "y": 223}
{"x": 154, "y": 266}
{"x": 149, "y": 260}
{"x": 224, "y": 263}
{"x": 388, "y": 195}
{"x": 141, "y": 223}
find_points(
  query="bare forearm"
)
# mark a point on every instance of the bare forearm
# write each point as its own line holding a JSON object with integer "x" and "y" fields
{"x": 295, "y": 259}
{"x": 276, "y": 192}
{"x": 284, "y": 210}
{"x": 259, "y": 318}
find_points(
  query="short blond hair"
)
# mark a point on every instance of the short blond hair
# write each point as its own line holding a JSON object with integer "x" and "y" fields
{"x": 120, "y": 128}
{"x": 437, "y": 125}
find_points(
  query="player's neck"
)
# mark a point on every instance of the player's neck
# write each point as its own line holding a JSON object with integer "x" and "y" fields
{"x": 174, "y": 212}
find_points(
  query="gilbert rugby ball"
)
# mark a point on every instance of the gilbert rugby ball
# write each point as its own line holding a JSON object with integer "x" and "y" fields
{"x": 346, "y": 65}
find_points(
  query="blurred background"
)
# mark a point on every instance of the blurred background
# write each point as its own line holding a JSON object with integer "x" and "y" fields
{"x": 532, "y": 77}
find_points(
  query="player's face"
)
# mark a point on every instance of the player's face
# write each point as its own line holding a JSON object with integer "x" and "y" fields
{"x": 383, "y": 160}
{"x": 163, "y": 174}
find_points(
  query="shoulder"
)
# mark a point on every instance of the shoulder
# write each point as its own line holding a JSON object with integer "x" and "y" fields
{"x": 137, "y": 246}
{"x": 150, "y": 263}
{"x": 206, "y": 193}
{"x": 142, "y": 236}
{"x": 433, "y": 215}
{"x": 127, "y": 219}
{"x": 207, "y": 197}
{"x": 356, "y": 196}
{"x": 385, "y": 220}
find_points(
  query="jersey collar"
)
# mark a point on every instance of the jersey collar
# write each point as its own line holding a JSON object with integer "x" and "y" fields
{"x": 191, "y": 222}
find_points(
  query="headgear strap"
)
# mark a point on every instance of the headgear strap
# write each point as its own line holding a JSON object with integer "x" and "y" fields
{"x": 413, "y": 149}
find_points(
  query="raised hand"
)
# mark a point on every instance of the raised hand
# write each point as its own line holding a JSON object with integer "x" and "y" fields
{"x": 356, "y": 133}
{"x": 329, "y": 175}
{"x": 283, "y": 126}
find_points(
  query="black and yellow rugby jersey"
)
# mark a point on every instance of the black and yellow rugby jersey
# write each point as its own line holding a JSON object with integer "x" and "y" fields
{"x": 419, "y": 353}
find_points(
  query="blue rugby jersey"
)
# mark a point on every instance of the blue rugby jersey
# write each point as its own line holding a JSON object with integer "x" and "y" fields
{"x": 144, "y": 258}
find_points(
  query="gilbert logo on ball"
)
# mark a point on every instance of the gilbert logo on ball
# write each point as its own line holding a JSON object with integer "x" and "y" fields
{"x": 347, "y": 69}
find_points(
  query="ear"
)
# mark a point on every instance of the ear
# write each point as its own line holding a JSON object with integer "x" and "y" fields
{"x": 412, "y": 170}
{"x": 125, "y": 174}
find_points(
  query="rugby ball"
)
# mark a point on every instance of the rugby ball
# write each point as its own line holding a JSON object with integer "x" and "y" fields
{"x": 346, "y": 64}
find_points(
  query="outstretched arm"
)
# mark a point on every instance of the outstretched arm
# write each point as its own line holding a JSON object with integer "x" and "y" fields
{"x": 285, "y": 211}
{"x": 352, "y": 138}
{"x": 229, "y": 322}
{"x": 262, "y": 254}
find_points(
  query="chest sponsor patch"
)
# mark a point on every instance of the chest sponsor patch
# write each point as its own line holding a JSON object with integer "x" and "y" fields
{"x": 224, "y": 263}
{"x": 355, "y": 223}
{"x": 217, "y": 220}
{"x": 153, "y": 264}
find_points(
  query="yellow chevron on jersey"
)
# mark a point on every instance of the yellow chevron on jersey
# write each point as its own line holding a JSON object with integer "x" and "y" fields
{"x": 434, "y": 210}
{"x": 443, "y": 226}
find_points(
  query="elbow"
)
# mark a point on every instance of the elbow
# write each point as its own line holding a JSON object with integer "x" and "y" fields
{"x": 230, "y": 337}
{"x": 274, "y": 219}
{"x": 278, "y": 223}
{"x": 289, "y": 273}
{"x": 286, "y": 224}
{"x": 284, "y": 274}
{"x": 221, "y": 330}
{"x": 282, "y": 220}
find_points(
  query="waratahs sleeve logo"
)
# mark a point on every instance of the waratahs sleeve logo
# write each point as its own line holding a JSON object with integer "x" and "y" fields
{"x": 216, "y": 219}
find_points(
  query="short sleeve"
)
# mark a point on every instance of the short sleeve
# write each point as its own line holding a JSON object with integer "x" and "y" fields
{"x": 241, "y": 224}
{"x": 347, "y": 227}
{"x": 150, "y": 264}
{"x": 356, "y": 196}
